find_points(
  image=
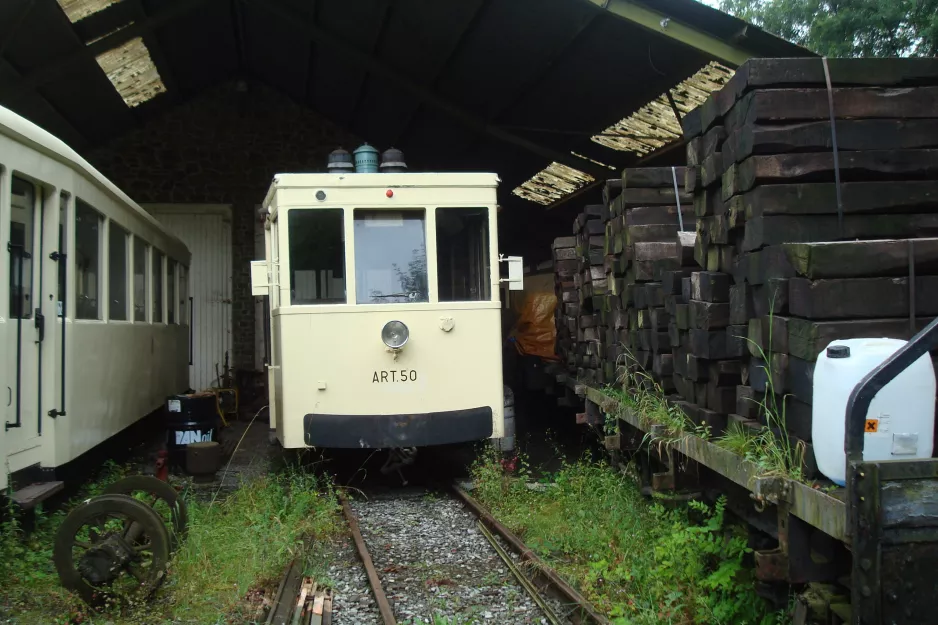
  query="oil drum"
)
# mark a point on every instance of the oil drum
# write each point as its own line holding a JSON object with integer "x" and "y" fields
{"x": 189, "y": 419}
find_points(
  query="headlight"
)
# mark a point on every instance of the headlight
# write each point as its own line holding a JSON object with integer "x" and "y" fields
{"x": 395, "y": 334}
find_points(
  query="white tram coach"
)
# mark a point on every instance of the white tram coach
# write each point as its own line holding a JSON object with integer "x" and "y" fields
{"x": 384, "y": 308}
{"x": 77, "y": 248}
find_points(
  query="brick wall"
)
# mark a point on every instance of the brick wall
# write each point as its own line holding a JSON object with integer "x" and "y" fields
{"x": 223, "y": 147}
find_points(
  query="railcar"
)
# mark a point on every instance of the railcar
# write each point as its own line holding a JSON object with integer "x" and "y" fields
{"x": 93, "y": 306}
{"x": 384, "y": 301}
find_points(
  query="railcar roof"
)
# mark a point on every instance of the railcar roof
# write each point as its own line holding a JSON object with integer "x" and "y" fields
{"x": 28, "y": 133}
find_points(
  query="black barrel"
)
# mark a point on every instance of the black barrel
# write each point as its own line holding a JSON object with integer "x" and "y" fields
{"x": 189, "y": 419}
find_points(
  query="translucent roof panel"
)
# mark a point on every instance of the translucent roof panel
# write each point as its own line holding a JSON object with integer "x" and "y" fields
{"x": 132, "y": 72}
{"x": 80, "y": 9}
{"x": 654, "y": 125}
{"x": 552, "y": 183}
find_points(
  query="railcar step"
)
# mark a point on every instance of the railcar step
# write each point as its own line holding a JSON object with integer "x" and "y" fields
{"x": 30, "y": 496}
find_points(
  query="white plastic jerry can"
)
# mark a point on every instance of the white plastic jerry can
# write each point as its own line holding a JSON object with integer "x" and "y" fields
{"x": 900, "y": 423}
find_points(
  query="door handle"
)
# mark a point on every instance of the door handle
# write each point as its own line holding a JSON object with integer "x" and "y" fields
{"x": 9, "y": 396}
{"x": 40, "y": 325}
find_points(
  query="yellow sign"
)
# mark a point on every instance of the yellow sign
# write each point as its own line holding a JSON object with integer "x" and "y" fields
{"x": 872, "y": 425}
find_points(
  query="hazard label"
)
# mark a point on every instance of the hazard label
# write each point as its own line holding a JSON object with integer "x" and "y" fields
{"x": 872, "y": 425}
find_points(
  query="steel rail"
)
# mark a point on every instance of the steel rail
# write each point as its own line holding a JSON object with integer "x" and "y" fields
{"x": 383, "y": 606}
{"x": 519, "y": 574}
{"x": 525, "y": 553}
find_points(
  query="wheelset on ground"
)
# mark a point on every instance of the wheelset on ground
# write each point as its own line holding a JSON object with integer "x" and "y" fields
{"x": 115, "y": 548}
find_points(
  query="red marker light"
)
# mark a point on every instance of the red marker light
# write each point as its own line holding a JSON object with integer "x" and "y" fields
{"x": 389, "y": 193}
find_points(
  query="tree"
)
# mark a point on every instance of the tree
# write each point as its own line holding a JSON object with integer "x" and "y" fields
{"x": 847, "y": 28}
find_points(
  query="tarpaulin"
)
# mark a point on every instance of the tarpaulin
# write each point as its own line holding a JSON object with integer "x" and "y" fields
{"x": 534, "y": 333}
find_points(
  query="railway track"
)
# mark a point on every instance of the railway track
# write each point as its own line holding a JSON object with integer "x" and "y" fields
{"x": 431, "y": 556}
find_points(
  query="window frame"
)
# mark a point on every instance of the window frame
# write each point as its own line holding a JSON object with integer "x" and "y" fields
{"x": 288, "y": 270}
{"x": 161, "y": 305}
{"x": 428, "y": 222}
{"x": 100, "y": 276}
{"x": 488, "y": 268}
{"x": 128, "y": 279}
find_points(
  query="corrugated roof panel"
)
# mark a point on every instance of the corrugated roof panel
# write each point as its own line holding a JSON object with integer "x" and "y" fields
{"x": 77, "y": 10}
{"x": 132, "y": 72}
{"x": 654, "y": 125}
{"x": 552, "y": 183}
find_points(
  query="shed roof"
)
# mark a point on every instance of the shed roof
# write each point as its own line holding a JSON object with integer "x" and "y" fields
{"x": 566, "y": 91}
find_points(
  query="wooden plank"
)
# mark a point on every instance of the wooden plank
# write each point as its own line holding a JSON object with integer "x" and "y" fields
{"x": 858, "y": 198}
{"x": 652, "y": 197}
{"x": 652, "y": 177}
{"x": 801, "y": 378}
{"x": 806, "y": 72}
{"x": 806, "y": 338}
{"x": 807, "y": 104}
{"x": 768, "y": 335}
{"x": 32, "y": 495}
{"x": 710, "y": 286}
{"x": 859, "y": 298}
{"x": 561, "y": 242}
{"x": 682, "y": 316}
{"x": 671, "y": 280}
{"x": 766, "y": 264}
{"x": 852, "y": 259}
{"x": 736, "y": 340}
{"x": 651, "y": 233}
{"x": 709, "y": 315}
{"x": 774, "y": 230}
{"x": 741, "y": 307}
{"x": 716, "y": 421}
{"x": 724, "y": 373}
{"x": 721, "y": 399}
{"x": 771, "y": 298}
{"x": 819, "y": 167}
{"x": 747, "y": 405}
{"x": 709, "y": 344}
{"x": 860, "y": 134}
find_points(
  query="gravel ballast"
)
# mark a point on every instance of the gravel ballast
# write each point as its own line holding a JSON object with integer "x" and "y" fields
{"x": 433, "y": 562}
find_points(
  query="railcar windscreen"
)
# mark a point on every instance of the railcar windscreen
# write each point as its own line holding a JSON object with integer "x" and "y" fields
{"x": 390, "y": 257}
{"x": 317, "y": 256}
{"x": 462, "y": 251}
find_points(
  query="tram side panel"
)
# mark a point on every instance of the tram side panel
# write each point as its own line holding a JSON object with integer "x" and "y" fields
{"x": 116, "y": 374}
{"x": 339, "y": 386}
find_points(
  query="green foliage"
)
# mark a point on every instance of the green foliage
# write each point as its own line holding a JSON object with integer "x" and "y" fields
{"x": 232, "y": 546}
{"x": 847, "y": 28}
{"x": 639, "y": 563}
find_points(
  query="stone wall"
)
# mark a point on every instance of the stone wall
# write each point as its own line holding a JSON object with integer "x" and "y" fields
{"x": 223, "y": 147}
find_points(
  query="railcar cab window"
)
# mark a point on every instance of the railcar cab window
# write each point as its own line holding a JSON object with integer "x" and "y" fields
{"x": 89, "y": 228}
{"x": 170, "y": 291}
{"x": 317, "y": 256}
{"x": 21, "y": 248}
{"x": 390, "y": 257}
{"x": 462, "y": 254}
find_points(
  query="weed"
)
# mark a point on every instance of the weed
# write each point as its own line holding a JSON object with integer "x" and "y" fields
{"x": 231, "y": 547}
{"x": 637, "y": 562}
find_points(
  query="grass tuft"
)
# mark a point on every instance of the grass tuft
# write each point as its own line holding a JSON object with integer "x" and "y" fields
{"x": 638, "y": 562}
{"x": 233, "y": 547}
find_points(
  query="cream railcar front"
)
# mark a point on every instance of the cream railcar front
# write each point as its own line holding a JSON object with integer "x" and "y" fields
{"x": 76, "y": 244}
{"x": 384, "y": 300}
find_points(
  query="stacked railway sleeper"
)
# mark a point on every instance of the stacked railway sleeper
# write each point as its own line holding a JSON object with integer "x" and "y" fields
{"x": 430, "y": 555}
{"x": 812, "y": 187}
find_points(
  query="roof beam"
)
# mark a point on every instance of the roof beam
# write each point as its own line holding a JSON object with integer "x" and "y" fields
{"x": 662, "y": 24}
{"x": 426, "y": 95}
{"x": 12, "y": 89}
{"x": 13, "y": 27}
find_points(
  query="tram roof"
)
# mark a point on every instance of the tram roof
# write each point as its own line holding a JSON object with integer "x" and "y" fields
{"x": 555, "y": 95}
{"x": 26, "y": 132}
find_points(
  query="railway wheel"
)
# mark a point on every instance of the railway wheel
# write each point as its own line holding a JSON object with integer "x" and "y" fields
{"x": 160, "y": 496}
{"x": 112, "y": 549}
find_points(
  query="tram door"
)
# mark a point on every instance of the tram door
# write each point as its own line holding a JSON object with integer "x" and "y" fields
{"x": 23, "y": 321}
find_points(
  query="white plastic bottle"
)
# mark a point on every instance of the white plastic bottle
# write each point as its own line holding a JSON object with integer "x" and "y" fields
{"x": 900, "y": 423}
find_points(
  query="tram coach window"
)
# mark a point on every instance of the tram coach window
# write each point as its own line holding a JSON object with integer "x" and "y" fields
{"x": 157, "y": 286}
{"x": 140, "y": 280}
{"x": 390, "y": 257}
{"x": 317, "y": 256}
{"x": 88, "y": 233}
{"x": 117, "y": 272}
{"x": 21, "y": 246}
{"x": 462, "y": 249}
